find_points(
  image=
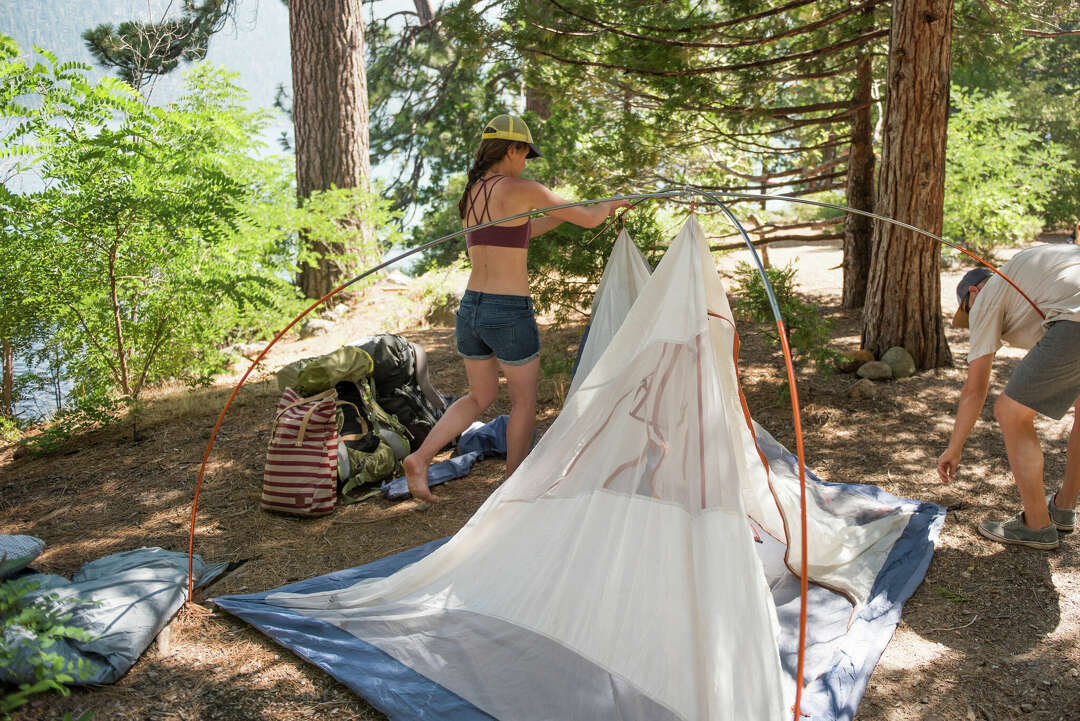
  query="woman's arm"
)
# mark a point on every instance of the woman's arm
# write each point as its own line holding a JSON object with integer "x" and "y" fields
{"x": 543, "y": 224}
{"x": 587, "y": 216}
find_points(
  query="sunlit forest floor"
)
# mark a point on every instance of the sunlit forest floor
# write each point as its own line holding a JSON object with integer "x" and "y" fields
{"x": 992, "y": 634}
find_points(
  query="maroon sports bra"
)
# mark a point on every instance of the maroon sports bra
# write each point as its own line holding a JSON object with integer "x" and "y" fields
{"x": 503, "y": 236}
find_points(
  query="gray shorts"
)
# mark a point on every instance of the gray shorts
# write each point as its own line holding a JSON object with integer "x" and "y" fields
{"x": 1048, "y": 379}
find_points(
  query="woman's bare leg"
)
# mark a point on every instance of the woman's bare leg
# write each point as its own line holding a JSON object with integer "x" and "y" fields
{"x": 521, "y": 381}
{"x": 483, "y": 386}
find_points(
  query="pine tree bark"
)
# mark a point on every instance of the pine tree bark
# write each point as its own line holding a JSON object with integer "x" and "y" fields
{"x": 537, "y": 101}
{"x": 903, "y": 297}
{"x": 423, "y": 11}
{"x": 859, "y": 229}
{"x": 330, "y": 114}
{"x": 8, "y": 384}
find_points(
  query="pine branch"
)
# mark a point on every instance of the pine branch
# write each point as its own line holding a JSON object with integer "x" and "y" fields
{"x": 712, "y": 69}
{"x": 740, "y": 43}
{"x": 1042, "y": 34}
{"x": 775, "y": 228}
{"x": 757, "y": 187}
{"x": 736, "y": 21}
{"x": 779, "y": 238}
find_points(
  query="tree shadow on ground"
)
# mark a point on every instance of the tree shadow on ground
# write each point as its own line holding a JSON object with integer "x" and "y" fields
{"x": 991, "y": 633}
{"x": 105, "y": 493}
{"x": 112, "y": 495}
{"x": 218, "y": 668}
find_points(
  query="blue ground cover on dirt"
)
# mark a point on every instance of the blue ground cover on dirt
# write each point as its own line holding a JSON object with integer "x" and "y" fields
{"x": 834, "y": 695}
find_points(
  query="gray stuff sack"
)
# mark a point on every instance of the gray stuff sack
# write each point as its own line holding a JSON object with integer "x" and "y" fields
{"x": 122, "y": 601}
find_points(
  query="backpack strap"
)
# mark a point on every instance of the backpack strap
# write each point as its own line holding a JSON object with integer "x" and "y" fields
{"x": 307, "y": 414}
{"x": 359, "y": 417}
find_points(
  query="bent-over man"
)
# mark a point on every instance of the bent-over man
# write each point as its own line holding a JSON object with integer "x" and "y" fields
{"x": 1047, "y": 381}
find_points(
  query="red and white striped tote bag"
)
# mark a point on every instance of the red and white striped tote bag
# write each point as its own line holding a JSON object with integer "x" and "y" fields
{"x": 301, "y": 461}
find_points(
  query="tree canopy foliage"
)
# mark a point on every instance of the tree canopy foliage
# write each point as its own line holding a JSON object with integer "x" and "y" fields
{"x": 1040, "y": 76}
{"x": 141, "y": 50}
{"x": 142, "y": 239}
{"x": 730, "y": 96}
{"x": 1001, "y": 172}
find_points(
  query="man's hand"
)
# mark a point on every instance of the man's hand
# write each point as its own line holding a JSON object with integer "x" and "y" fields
{"x": 972, "y": 397}
{"x": 948, "y": 463}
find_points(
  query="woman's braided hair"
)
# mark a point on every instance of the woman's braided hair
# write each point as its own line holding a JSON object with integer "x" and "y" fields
{"x": 488, "y": 153}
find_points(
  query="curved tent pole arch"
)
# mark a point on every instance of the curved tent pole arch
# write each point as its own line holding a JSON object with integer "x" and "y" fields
{"x": 678, "y": 191}
{"x": 804, "y": 579}
{"x": 343, "y": 286}
{"x": 875, "y": 216}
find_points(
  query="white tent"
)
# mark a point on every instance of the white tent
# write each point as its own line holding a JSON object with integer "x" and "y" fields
{"x": 615, "y": 574}
{"x": 625, "y": 274}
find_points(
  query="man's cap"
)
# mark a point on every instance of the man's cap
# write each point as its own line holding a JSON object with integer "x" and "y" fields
{"x": 510, "y": 127}
{"x": 971, "y": 278}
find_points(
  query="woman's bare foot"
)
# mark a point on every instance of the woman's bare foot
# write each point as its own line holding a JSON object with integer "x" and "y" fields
{"x": 416, "y": 477}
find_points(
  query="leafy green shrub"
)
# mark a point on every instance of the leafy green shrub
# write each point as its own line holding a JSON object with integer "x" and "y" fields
{"x": 9, "y": 429}
{"x": 134, "y": 247}
{"x": 27, "y": 631}
{"x": 92, "y": 413}
{"x": 157, "y": 235}
{"x": 566, "y": 264}
{"x": 808, "y": 332}
{"x": 556, "y": 366}
{"x": 437, "y": 289}
{"x": 999, "y": 174}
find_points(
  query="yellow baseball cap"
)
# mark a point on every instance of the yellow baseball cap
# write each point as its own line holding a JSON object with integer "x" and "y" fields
{"x": 510, "y": 127}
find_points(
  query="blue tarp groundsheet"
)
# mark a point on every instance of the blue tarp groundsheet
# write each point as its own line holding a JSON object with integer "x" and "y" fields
{"x": 841, "y": 651}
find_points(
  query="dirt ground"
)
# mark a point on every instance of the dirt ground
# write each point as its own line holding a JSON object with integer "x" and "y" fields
{"x": 992, "y": 634}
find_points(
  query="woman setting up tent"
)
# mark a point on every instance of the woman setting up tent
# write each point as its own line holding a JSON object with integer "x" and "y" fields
{"x": 496, "y": 327}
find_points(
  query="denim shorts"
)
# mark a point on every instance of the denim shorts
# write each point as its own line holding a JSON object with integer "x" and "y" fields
{"x": 489, "y": 324}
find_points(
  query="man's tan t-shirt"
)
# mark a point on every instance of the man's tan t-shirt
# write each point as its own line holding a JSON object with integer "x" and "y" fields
{"x": 1050, "y": 275}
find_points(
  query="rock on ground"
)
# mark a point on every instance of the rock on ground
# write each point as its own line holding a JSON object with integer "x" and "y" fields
{"x": 875, "y": 371}
{"x": 863, "y": 356}
{"x": 901, "y": 362}
{"x": 857, "y": 359}
{"x": 863, "y": 389}
{"x": 315, "y": 326}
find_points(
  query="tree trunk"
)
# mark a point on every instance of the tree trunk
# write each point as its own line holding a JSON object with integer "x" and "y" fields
{"x": 859, "y": 229}
{"x": 8, "y": 384}
{"x": 903, "y": 297}
{"x": 423, "y": 11}
{"x": 330, "y": 114}
{"x": 537, "y": 101}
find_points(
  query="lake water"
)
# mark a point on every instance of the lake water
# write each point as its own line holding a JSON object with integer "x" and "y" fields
{"x": 40, "y": 404}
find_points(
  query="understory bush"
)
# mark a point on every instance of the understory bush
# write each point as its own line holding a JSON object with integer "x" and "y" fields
{"x": 27, "y": 632}
{"x": 145, "y": 239}
{"x": 808, "y": 332}
{"x": 999, "y": 173}
{"x": 9, "y": 429}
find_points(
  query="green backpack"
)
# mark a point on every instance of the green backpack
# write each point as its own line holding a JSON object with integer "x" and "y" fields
{"x": 310, "y": 376}
{"x": 371, "y": 442}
